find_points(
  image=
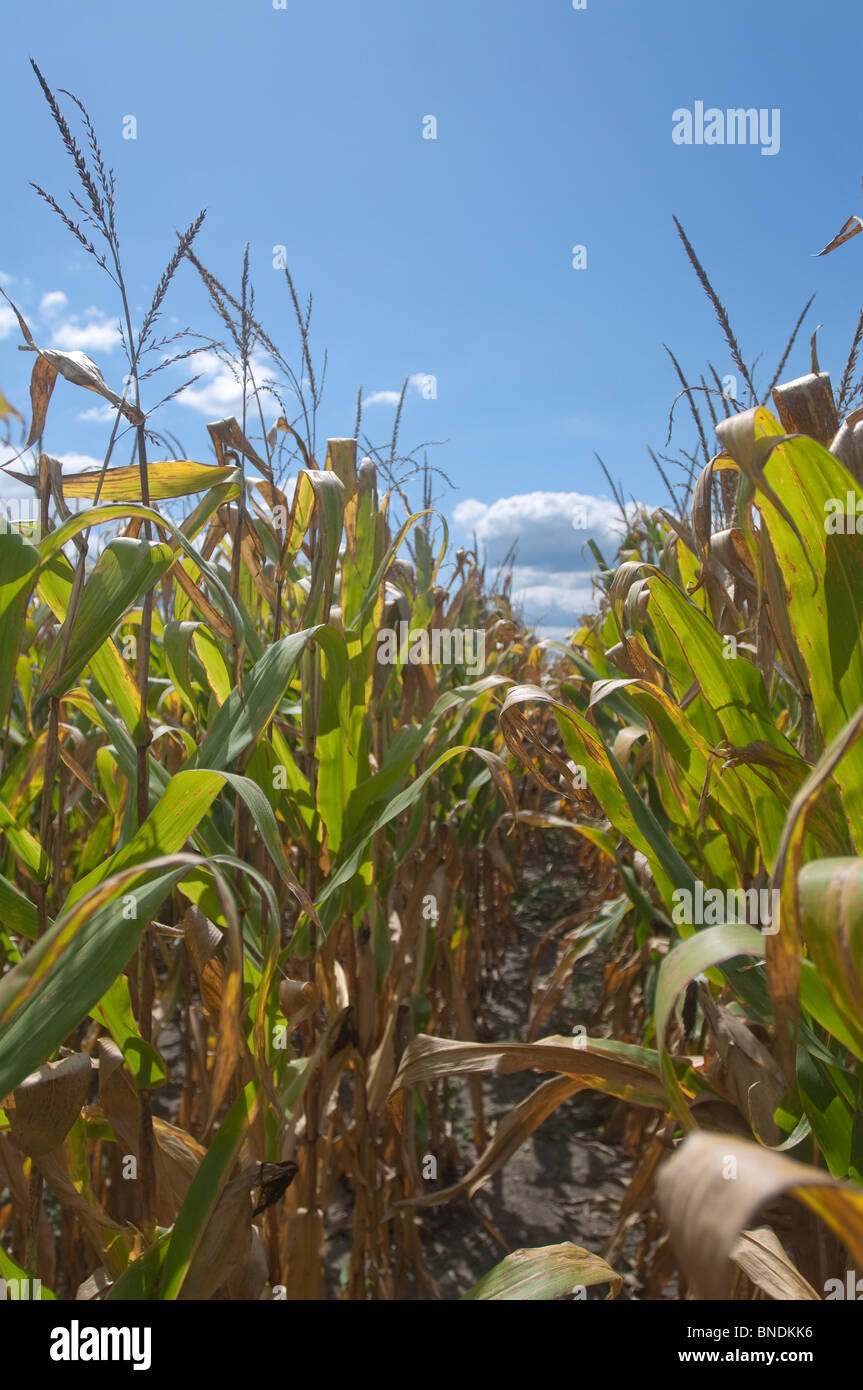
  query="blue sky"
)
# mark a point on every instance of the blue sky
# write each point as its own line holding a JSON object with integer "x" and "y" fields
{"x": 452, "y": 257}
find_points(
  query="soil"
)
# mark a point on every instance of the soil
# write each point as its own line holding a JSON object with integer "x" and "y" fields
{"x": 565, "y": 1183}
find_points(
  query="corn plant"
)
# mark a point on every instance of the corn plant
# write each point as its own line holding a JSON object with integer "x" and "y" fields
{"x": 251, "y": 835}
{"x": 706, "y": 731}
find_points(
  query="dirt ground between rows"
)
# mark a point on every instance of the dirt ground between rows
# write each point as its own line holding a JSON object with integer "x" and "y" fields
{"x": 566, "y": 1181}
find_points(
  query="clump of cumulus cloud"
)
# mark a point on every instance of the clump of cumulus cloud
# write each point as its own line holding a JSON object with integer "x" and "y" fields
{"x": 552, "y": 575}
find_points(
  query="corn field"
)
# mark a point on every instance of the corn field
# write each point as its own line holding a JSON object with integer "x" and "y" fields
{"x": 273, "y": 760}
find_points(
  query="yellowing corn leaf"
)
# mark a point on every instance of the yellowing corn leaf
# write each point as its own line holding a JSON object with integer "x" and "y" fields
{"x": 167, "y": 478}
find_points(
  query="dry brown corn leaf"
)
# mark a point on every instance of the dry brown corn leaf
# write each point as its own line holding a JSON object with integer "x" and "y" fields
{"x": 763, "y": 1260}
{"x": 713, "y": 1187}
{"x": 598, "y": 1064}
{"x": 47, "y": 1103}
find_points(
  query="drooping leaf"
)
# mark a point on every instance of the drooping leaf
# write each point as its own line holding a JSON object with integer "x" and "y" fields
{"x": 167, "y": 478}
{"x": 545, "y": 1272}
{"x": 715, "y": 1185}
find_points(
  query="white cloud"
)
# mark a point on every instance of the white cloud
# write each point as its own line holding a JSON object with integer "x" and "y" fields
{"x": 468, "y": 514}
{"x": 98, "y": 414}
{"x": 52, "y": 302}
{"x": 543, "y": 526}
{"x": 218, "y": 393}
{"x": 382, "y": 398}
{"x": 569, "y": 590}
{"x": 6, "y": 279}
{"x": 553, "y": 567}
{"x": 87, "y": 332}
{"x": 416, "y": 382}
{"x": 556, "y": 597}
{"x": 83, "y": 333}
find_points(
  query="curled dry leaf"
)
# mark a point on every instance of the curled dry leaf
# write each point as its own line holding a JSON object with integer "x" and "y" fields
{"x": 230, "y": 444}
{"x": 806, "y": 406}
{"x": 845, "y": 233}
{"x": 713, "y": 1187}
{"x": 754, "y": 1079}
{"x": 95, "y": 1287}
{"x": 226, "y": 1241}
{"x": 297, "y": 1000}
{"x": 75, "y": 367}
{"x": 46, "y": 1104}
{"x": 205, "y": 945}
{"x": 761, "y": 1257}
{"x": 617, "y": 1069}
{"x": 178, "y": 1155}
